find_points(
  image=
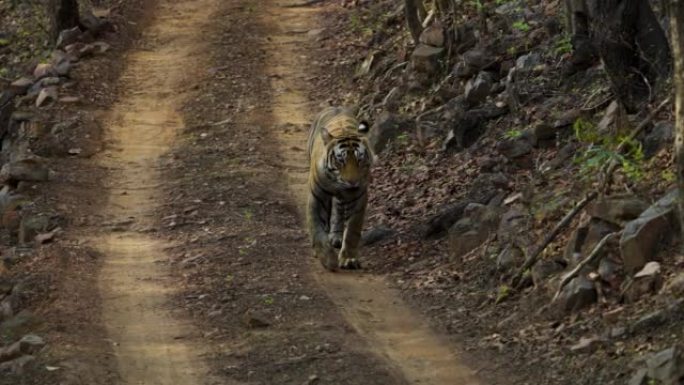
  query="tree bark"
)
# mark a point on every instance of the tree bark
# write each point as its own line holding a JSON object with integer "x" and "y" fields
{"x": 633, "y": 47}
{"x": 63, "y": 15}
{"x": 677, "y": 35}
{"x": 412, "y": 10}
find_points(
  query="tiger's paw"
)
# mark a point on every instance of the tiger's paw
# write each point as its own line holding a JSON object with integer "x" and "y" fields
{"x": 336, "y": 240}
{"x": 350, "y": 263}
{"x": 328, "y": 259}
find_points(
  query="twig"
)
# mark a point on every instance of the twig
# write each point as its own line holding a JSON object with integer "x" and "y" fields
{"x": 532, "y": 259}
{"x": 610, "y": 167}
{"x": 590, "y": 259}
{"x": 304, "y": 4}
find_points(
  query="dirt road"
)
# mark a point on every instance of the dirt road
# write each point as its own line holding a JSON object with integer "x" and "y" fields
{"x": 207, "y": 181}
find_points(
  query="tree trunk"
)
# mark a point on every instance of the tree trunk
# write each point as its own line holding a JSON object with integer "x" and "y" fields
{"x": 677, "y": 35}
{"x": 633, "y": 47}
{"x": 413, "y": 19}
{"x": 63, "y": 15}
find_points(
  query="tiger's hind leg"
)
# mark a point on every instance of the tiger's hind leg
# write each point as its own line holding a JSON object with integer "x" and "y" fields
{"x": 318, "y": 221}
{"x": 349, "y": 254}
{"x": 336, "y": 224}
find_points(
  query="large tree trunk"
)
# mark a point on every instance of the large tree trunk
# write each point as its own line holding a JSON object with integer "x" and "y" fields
{"x": 633, "y": 47}
{"x": 63, "y": 15}
{"x": 677, "y": 35}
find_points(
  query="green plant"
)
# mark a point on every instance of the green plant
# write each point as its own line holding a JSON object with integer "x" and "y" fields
{"x": 513, "y": 133}
{"x": 521, "y": 25}
{"x": 268, "y": 300}
{"x": 502, "y": 293}
{"x": 668, "y": 176}
{"x": 477, "y": 4}
{"x": 248, "y": 214}
{"x": 563, "y": 46}
{"x": 403, "y": 139}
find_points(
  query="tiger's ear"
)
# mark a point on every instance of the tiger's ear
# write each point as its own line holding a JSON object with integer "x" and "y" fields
{"x": 325, "y": 135}
{"x": 364, "y": 127}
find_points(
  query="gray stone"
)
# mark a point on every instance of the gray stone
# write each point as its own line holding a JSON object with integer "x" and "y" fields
{"x": 477, "y": 89}
{"x": 376, "y": 234}
{"x": 527, "y": 63}
{"x": 21, "y": 85}
{"x": 567, "y": 118}
{"x": 42, "y": 70}
{"x": 472, "y": 62}
{"x": 472, "y": 230}
{"x": 47, "y": 96}
{"x": 675, "y": 286}
{"x": 640, "y": 238}
{"x": 17, "y": 365}
{"x": 426, "y": 59}
{"x": 617, "y": 210}
{"x": 587, "y": 345}
{"x": 510, "y": 257}
{"x": 433, "y": 35}
{"x": 544, "y": 131}
{"x": 610, "y": 272}
{"x": 609, "y": 117}
{"x": 545, "y": 269}
{"x": 657, "y": 318}
{"x": 386, "y": 128}
{"x": 661, "y": 136}
{"x": 646, "y": 282}
{"x": 28, "y": 170}
{"x": 514, "y": 148}
{"x": 68, "y": 37}
{"x": 640, "y": 377}
{"x": 31, "y": 226}
{"x": 667, "y": 365}
{"x": 578, "y": 294}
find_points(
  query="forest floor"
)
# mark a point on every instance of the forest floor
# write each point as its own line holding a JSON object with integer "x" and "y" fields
{"x": 183, "y": 258}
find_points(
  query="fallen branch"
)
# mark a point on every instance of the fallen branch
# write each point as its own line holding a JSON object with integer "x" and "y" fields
{"x": 304, "y": 4}
{"x": 612, "y": 165}
{"x": 532, "y": 259}
{"x": 590, "y": 259}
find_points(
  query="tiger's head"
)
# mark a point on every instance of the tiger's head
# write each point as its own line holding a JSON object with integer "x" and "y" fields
{"x": 348, "y": 158}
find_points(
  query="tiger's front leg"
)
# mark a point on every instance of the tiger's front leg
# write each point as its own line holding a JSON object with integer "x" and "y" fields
{"x": 349, "y": 254}
{"x": 336, "y": 224}
{"x": 318, "y": 221}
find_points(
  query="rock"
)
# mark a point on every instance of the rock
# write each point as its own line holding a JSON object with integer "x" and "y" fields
{"x": 17, "y": 365}
{"x": 674, "y": 286}
{"x": 661, "y": 136}
{"x": 544, "y": 131}
{"x": 609, "y": 117}
{"x": 545, "y": 269}
{"x": 466, "y": 127}
{"x": 563, "y": 156}
{"x": 95, "y": 25}
{"x": 610, "y": 272}
{"x": 509, "y": 258}
{"x": 510, "y": 9}
{"x": 658, "y": 318}
{"x": 433, "y": 35}
{"x": 472, "y": 230}
{"x": 47, "y": 96}
{"x": 647, "y": 281}
{"x": 63, "y": 68}
{"x": 28, "y": 170}
{"x": 587, "y": 345}
{"x": 386, "y": 128}
{"x": 596, "y": 230}
{"x": 514, "y": 148}
{"x": 376, "y": 234}
{"x": 6, "y": 111}
{"x": 68, "y": 37}
{"x": 667, "y": 366}
{"x": 640, "y": 378}
{"x": 617, "y": 210}
{"x": 32, "y": 226}
{"x": 578, "y": 294}
{"x": 464, "y": 37}
{"x": 426, "y": 59}
{"x": 527, "y": 63}
{"x": 439, "y": 223}
{"x": 18, "y": 325}
{"x": 513, "y": 224}
{"x": 42, "y": 70}
{"x": 254, "y": 321}
{"x": 641, "y": 236}
{"x": 473, "y": 61}
{"x": 21, "y": 85}
{"x": 567, "y": 118}
{"x": 477, "y": 89}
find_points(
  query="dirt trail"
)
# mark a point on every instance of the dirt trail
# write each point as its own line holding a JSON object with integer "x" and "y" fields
{"x": 141, "y": 127}
{"x": 376, "y": 311}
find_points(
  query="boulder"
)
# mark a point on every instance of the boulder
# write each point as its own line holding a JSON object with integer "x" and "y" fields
{"x": 439, "y": 223}
{"x": 527, "y": 63}
{"x": 464, "y": 37}
{"x": 646, "y": 282}
{"x": 21, "y": 85}
{"x": 472, "y": 62}
{"x": 578, "y": 294}
{"x": 31, "y": 226}
{"x": 610, "y": 117}
{"x": 27, "y": 170}
{"x": 433, "y": 35}
{"x": 376, "y": 234}
{"x": 667, "y": 366}
{"x": 385, "y": 129}
{"x": 477, "y": 89}
{"x": 661, "y": 136}
{"x": 545, "y": 269}
{"x": 47, "y": 96}
{"x": 472, "y": 230}
{"x": 641, "y": 236}
{"x": 514, "y": 148}
{"x": 674, "y": 286}
{"x": 42, "y": 70}
{"x": 544, "y": 131}
{"x": 509, "y": 258}
{"x": 68, "y": 37}
{"x": 426, "y": 59}
{"x": 617, "y": 210}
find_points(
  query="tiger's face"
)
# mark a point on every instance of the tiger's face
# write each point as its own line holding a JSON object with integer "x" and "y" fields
{"x": 348, "y": 161}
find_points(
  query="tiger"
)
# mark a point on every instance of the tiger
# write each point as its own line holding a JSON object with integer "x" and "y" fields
{"x": 340, "y": 158}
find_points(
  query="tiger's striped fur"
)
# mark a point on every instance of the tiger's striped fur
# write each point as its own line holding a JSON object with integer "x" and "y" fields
{"x": 340, "y": 159}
